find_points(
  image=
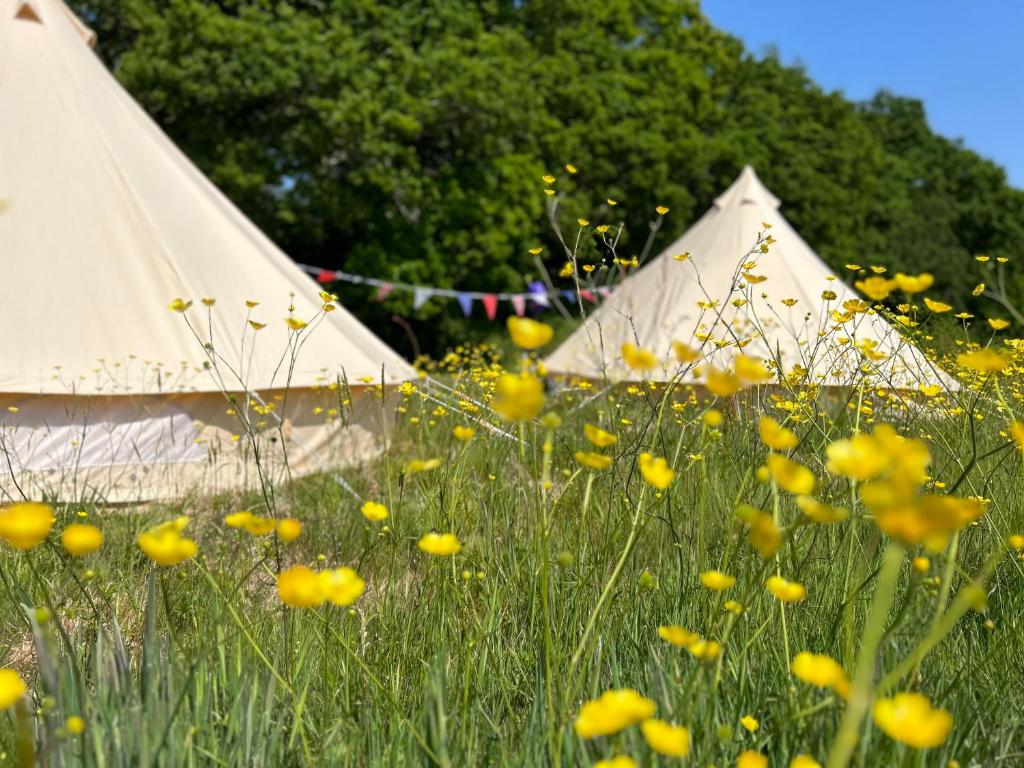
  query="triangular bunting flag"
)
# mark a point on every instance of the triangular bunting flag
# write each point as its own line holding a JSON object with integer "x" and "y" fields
{"x": 383, "y": 290}
{"x": 605, "y": 291}
{"x": 519, "y": 304}
{"x": 490, "y": 302}
{"x": 326, "y": 276}
{"x": 466, "y": 302}
{"x": 421, "y": 296}
{"x": 588, "y": 295}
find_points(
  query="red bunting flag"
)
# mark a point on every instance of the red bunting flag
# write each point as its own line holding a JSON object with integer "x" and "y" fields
{"x": 588, "y": 295}
{"x": 383, "y": 291}
{"x": 519, "y": 304}
{"x": 490, "y": 302}
{"x": 326, "y": 276}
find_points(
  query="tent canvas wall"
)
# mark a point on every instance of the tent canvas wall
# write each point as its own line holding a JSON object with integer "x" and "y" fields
{"x": 104, "y": 221}
{"x": 704, "y": 301}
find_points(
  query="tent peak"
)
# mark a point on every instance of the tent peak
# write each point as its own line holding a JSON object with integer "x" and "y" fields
{"x": 747, "y": 190}
{"x": 42, "y": 11}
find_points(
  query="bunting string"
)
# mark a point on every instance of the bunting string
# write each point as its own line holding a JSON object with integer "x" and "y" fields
{"x": 538, "y": 293}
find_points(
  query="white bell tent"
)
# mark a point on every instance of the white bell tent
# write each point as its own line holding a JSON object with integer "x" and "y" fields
{"x": 104, "y": 392}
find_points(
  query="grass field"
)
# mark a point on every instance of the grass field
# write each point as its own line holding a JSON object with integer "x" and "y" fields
{"x": 564, "y": 577}
{"x": 569, "y": 581}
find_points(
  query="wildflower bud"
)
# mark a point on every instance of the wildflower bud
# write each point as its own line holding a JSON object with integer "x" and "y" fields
{"x": 551, "y": 421}
{"x": 922, "y": 564}
{"x": 763, "y": 474}
{"x": 564, "y": 559}
{"x": 724, "y": 732}
{"x": 976, "y": 596}
{"x": 89, "y": 575}
{"x": 466, "y": 575}
{"x": 480, "y": 576}
{"x": 42, "y": 616}
{"x": 989, "y": 624}
{"x": 646, "y": 582}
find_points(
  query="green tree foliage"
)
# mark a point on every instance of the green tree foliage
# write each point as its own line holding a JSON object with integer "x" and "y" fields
{"x": 407, "y": 140}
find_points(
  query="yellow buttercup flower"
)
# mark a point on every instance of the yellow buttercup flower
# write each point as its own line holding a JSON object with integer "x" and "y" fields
{"x": 751, "y": 759}
{"x": 289, "y": 529}
{"x": 661, "y": 210}
{"x": 250, "y": 523}
{"x": 684, "y": 352}
{"x": 374, "y": 511}
{"x": 713, "y": 418}
{"x": 910, "y": 719}
{"x": 341, "y": 586}
{"x": 440, "y": 544}
{"x": 179, "y": 305}
{"x": 638, "y": 358}
{"x": 937, "y": 307}
{"x": 80, "y": 539}
{"x": 529, "y": 334}
{"x": 804, "y": 761}
{"x": 257, "y": 326}
{"x": 722, "y": 383}
{"x": 12, "y": 688}
{"x": 820, "y": 670}
{"x": 820, "y": 512}
{"x": 789, "y": 475}
{"x": 619, "y": 761}
{"x": 25, "y": 524}
{"x": 983, "y": 360}
{"x": 1017, "y": 433}
{"x": 678, "y": 636}
{"x": 786, "y": 591}
{"x": 914, "y": 283}
{"x": 599, "y": 437}
{"x": 776, "y": 436}
{"x": 518, "y": 397}
{"x": 416, "y": 466}
{"x": 717, "y": 581}
{"x": 295, "y": 324}
{"x": 595, "y": 461}
{"x": 764, "y": 534}
{"x": 750, "y": 370}
{"x": 612, "y": 712}
{"x": 656, "y": 471}
{"x": 164, "y": 544}
{"x": 75, "y": 725}
{"x": 665, "y": 738}
{"x": 750, "y": 723}
{"x": 875, "y": 288}
{"x": 462, "y": 433}
{"x": 300, "y": 587}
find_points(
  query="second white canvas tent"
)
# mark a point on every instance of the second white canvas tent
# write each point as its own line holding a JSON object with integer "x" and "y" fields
{"x": 704, "y": 301}
{"x": 104, "y": 393}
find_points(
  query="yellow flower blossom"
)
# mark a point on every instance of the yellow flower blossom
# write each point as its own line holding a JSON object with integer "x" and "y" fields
{"x": 300, "y": 587}
{"x": 656, "y": 471}
{"x": 518, "y": 397}
{"x": 820, "y": 670}
{"x": 750, "y": 759}
{"x": 722, "y": 383}
{"x": 983, "y": 360}
{"x": 529, "y": 334}
{"x": 462, "y": 433}
{"x": 789, "y": 475}
{"x": 638, "y": 358}
{"x": 341, "y": 586}
{"x": 677, "y": 636}
{"x": 619, "y": 761}
{"x": 820, "y": 512}
{"x": 164, "y": 544}
{"x": 12, "y": 688}
{"x": 612, "y": 712}
{"x": 416, "y": 466}
{"x": 804, "y": 761}
{"x": 374, "y": 511}
{"x": 179, "y": 305}
{"x": 786, "y": 591}
{"x": 599, "y": 437}
{"x": 776, "y": 436}
{"x": 914, "y": 283}
{"x": 750, "y": 723}
{"x": 440, "y": 544}
{"x": 665, "y": 738}
{"x": 289, "y": 529}
{"x": 684, "y": 352}
{"x": 750, "y": 370}
{"x": 938, "y": 307}
{"x": 25, "y": 524}
{"x": 910, "y": 719}
{"x": 717, "y": 581}
{"x": 595, "y": 461}
{"x": 80, "y": 539}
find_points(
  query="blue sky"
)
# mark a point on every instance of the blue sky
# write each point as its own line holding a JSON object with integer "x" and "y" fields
{"x": 963, "y": 58}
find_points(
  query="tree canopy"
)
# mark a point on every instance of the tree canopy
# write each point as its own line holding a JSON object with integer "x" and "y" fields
{"x": 407, "y": 140}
